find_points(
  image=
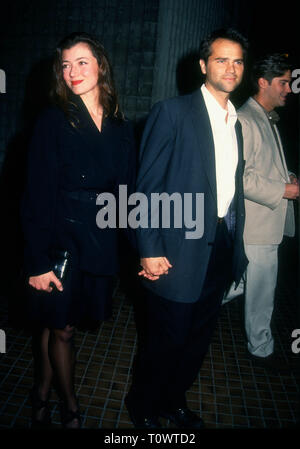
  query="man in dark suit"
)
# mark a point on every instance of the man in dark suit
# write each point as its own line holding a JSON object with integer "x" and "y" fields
{"x": 191, "y": 144}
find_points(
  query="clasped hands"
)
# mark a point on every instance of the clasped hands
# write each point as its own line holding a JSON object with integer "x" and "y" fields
{"x": 154, "y": 267}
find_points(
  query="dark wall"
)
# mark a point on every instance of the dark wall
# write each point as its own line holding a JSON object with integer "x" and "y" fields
{"x": 276, "y": 29}
{"x": 152, "y": 44}
{"x": 181, "y": 27}
{"x": 31, "y": 29}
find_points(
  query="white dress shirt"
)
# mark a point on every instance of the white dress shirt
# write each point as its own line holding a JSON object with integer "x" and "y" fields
{"x": 226, "y": 150}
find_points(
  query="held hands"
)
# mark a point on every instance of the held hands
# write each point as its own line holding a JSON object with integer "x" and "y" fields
{"x": 43, "y": 282}
{"x": 291, "y": 191}
{"x": 153, "y": 267}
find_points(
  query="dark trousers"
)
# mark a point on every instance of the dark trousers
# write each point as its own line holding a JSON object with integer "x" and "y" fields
{"x": 177, "y": 337}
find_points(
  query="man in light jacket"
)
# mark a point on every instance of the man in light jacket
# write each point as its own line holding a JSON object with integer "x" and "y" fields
{"x": 269, "y": 191}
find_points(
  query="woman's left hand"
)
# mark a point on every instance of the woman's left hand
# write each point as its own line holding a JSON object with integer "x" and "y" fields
{"x": 44, "y": 281}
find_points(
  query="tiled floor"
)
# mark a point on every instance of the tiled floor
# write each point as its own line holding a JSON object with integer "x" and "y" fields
{"x": 230, "y": 391}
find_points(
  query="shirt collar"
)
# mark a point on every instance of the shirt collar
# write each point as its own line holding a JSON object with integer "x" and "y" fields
{"x": 215, "y": 108}
{"x": 272, "y": 115}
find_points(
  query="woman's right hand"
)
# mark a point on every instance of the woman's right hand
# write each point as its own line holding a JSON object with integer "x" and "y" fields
{"x": 43, "y": 281}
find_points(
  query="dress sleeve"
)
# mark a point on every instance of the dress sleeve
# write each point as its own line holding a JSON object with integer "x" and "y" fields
{"x": 39, "y": 201}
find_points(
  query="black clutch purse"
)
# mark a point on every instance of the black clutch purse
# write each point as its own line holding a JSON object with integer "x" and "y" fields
{"x": 61, "y": 263}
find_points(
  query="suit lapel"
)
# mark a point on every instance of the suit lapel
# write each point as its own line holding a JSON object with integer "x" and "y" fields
{"x": 202, "y": 129}
{"x": 241, "y": 162}
{"x": 279, "y": 158}
{"x": 239, "y": 138}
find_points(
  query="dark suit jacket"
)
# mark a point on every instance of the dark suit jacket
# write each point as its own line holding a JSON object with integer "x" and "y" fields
{"x": 177, "y": 155}
{"x": 64, "y": 159}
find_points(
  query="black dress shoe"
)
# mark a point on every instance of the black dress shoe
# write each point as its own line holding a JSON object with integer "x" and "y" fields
{"x": 141, "y": 422}
{"x": 184, "y": 418}
{"x": 70, "y": 419}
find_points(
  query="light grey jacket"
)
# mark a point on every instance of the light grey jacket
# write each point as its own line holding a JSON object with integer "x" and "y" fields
{"x": 268, "y": 215}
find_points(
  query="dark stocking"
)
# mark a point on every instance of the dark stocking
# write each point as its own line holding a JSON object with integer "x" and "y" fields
{"x": 62, "y": 356}
{"x": 42, "y": 367}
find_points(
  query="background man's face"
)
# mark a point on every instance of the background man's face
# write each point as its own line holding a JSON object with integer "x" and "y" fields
{"x": 278, "y": 90}
{"x": 225, "y": 66}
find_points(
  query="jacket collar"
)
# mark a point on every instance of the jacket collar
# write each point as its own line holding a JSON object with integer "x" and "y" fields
{"x": 202, "y": 128}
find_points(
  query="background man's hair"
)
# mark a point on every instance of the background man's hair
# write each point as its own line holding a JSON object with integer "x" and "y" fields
{"x": 229, "y": 34}
{"x": 270, "y": 66}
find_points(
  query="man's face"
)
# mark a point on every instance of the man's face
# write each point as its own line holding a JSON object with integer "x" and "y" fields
{"x": 225, "y": 66}
{"x": 277, "y": 91}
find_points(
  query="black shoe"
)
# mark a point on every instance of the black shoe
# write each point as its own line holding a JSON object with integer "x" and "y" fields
{"x": 184, "y": 418}
{"x": 70, "y": 419}
{"x": 141, "y": 422}
{"x": 40, "y": 418}
{"x": 271, "y": 363}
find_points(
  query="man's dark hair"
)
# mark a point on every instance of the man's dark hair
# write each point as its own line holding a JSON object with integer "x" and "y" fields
{"x": 229, "y": 34}
{"x": 270, "y": 66}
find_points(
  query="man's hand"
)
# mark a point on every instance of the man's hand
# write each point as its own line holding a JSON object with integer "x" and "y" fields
{"x": 291, "y": 191}
{"x": 153, "y": 267}
{"x": 42, "y": 282}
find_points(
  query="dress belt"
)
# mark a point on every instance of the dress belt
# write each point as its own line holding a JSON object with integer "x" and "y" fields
{"x": 220, "y": 219}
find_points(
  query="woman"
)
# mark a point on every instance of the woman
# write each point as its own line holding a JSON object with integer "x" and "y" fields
{"x": 80, "y": 148}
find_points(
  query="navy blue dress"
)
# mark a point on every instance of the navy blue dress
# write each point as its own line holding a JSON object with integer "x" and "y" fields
{"x": 69, "y": 163}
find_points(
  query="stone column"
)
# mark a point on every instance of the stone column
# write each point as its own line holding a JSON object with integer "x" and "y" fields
{"x": 182, "y": 24}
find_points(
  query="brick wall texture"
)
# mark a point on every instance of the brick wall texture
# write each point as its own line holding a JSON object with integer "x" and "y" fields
{"x": 145, "y": 40}
{"x": 29, "y": 31}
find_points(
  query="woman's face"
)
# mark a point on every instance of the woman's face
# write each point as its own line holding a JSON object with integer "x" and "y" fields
{"x": 80, "y": 69}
